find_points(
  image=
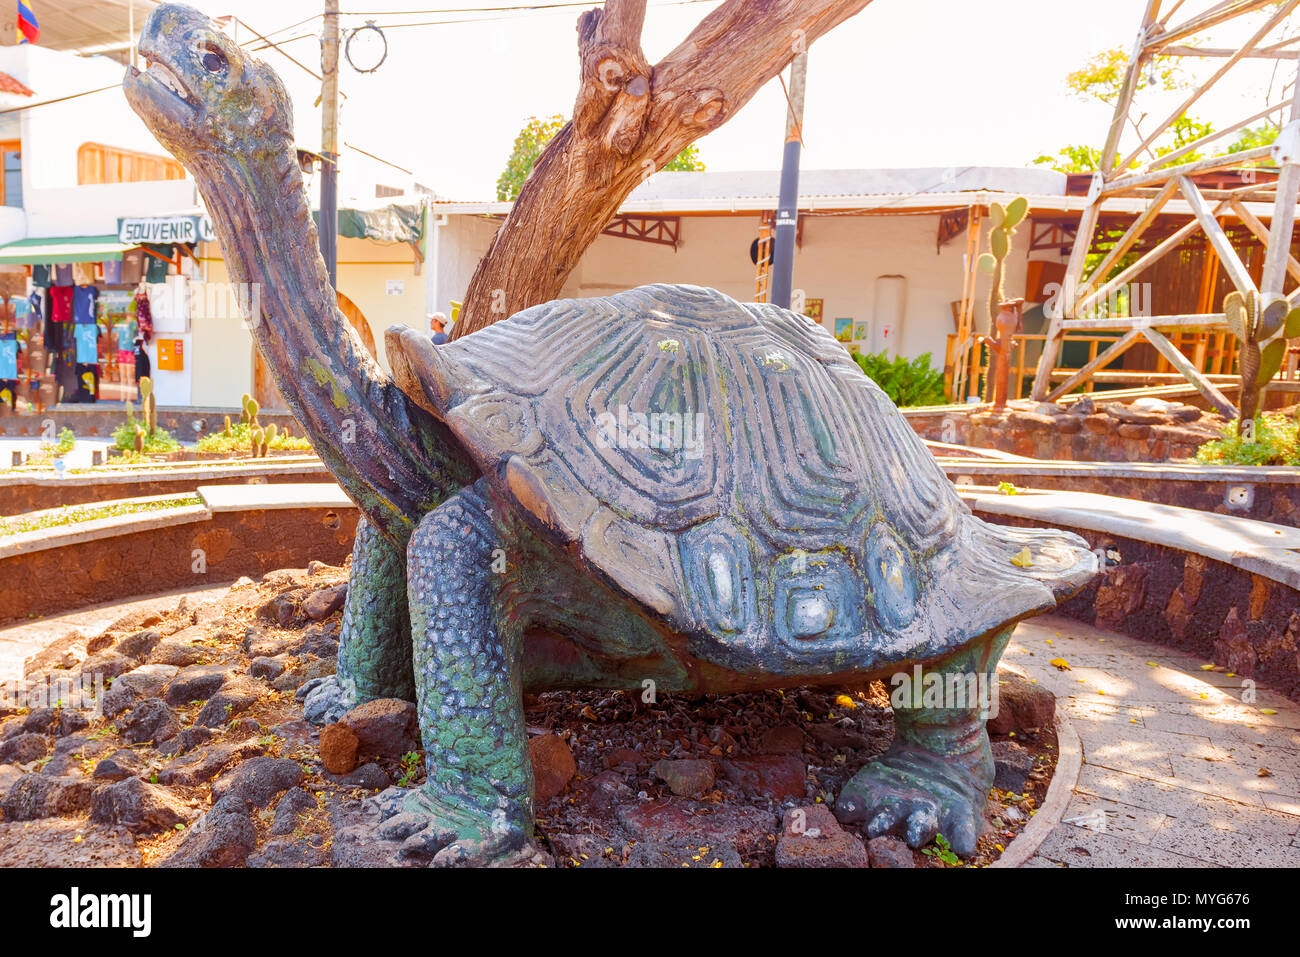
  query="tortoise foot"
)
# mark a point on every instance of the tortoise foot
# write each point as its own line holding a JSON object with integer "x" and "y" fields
{"x": 915, "y": 794}
{"x": 327, "y": 700}
{"x": 438, "y": 833}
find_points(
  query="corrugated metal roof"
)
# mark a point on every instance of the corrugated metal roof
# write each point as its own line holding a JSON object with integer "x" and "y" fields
{"x": 945, "y": 187}
{"x": 86, "y": 26}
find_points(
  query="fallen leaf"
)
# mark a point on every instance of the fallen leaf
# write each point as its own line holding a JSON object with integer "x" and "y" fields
{"x": 1022, "y": 558}
{"x": 1060, "y": 664}
{"x": 1267, "y": 711}
{"x": 1264, "y": 773}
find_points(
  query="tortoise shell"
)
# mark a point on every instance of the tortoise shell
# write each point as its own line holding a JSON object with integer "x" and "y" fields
{"x": 731, "y": 468}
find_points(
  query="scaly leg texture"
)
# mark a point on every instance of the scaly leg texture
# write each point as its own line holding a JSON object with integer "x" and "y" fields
{"x": 476, "y": 806}
{"x": 935, "y": 777}
{"x": 375, "y": 639}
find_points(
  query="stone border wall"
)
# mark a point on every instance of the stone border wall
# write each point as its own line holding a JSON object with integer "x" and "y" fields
{"x": 34, "y": 584}
{"x": 1079, "y": 432}
{"x": 20, "y": 493}
{"x": 95, "y": 421}
{"x": 1267, "y": 499}
{"x": 1245, "y": 622}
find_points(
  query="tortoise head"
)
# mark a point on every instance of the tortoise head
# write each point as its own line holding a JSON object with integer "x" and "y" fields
{"x": 201, "y": 93}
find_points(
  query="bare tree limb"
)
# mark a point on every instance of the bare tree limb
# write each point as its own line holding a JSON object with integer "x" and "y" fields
{"x": 629, "y": 120}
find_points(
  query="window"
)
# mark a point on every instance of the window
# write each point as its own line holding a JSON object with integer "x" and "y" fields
{"x": 97, "y": 163}
{"x": 11, "y": 167}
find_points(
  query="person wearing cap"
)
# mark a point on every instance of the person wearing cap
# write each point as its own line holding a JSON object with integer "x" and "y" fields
{"x": 438, "y": 328}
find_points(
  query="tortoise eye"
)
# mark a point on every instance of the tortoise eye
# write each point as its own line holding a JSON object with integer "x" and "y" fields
{"x": 213, "y": 60}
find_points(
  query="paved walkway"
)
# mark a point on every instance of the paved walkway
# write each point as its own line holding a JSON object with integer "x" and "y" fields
{"x": 1178, "y": 771}
{"x": 19, "y": 642}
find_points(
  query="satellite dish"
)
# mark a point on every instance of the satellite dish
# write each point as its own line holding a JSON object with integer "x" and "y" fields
{"x": 366, "y": 48}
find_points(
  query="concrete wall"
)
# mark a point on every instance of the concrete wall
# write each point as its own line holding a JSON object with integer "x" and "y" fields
{"x": 840, "y": 262}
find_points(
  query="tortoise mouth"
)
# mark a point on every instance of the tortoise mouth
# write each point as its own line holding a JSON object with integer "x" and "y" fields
{"x": 159, "y": 93}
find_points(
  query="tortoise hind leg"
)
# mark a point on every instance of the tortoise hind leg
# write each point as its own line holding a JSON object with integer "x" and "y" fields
{"x": 935, "y": 777}
{"x": 374, "y": 659}
{"x": 476, "y": 805}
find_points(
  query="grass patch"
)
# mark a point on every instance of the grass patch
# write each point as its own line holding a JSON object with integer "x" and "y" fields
{"x": 77, "y": 514}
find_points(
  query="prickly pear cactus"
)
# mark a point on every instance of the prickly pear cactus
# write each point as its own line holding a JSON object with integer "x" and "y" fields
{"x": 1261, "y": 350}
{"x": 1000, "y": 339}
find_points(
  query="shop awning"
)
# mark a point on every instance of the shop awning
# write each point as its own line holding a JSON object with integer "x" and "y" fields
{"x": 63, "y": 249}
{"x": 383, "y": 224}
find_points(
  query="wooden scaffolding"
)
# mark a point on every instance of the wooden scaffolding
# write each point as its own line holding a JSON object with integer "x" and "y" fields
{"x": 1162, "y": 179}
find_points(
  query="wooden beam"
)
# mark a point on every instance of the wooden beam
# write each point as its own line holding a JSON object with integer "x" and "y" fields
{"x": 1196, "y": 144}
{"x": 1252, "y": 222}
{"x": 1134, "y": 233}
{"x": 1190, "y": 372}
{"x": 1203, "y": 21}
{"x": 1188, "y": 321}
{"x": 1282, "y": 12}
{"x": 1112, "y": 352}
{"x": 1281, "y": 231}
{"x": 1166, "y": 246}
{"x": 1065, "y": 302}
{"x": 1236, "y": 270}
{"x": 1208, "y": 165}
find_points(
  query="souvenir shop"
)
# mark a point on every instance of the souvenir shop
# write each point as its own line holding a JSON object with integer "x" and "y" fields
{"x": 81, "y": 317}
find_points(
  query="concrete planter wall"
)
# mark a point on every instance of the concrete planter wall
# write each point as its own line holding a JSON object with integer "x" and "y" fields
{"x": 28, "y": 491}
{"x": 236, "y": 531}
{"x": 1227, "y": 589}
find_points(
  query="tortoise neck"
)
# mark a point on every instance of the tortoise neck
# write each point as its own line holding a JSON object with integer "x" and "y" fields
{"x": 392, "y": 458}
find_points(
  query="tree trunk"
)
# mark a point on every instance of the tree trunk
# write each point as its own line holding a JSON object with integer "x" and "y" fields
{"x": 629, "y": 120}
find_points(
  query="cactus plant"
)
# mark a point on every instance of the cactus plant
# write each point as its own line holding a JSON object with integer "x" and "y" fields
{"x": 1003, "y": 314}
{"x": 226, "y": 431}
{"x": 243, "y": 402}
{"x": 271, "y": 431}
{"x": 255, "y": 439}
{"x": 139, "y": 439}
{"x": 251, "y": 408}
{"x": 1260, "y": 355}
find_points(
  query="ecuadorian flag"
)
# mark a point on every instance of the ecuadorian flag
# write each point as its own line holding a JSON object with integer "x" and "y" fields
{"x": 29, "y": 31}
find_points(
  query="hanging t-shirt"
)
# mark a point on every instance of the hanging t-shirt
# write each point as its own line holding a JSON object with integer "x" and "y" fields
{"x": 112, "y": 271}
{"x": 83, "y": 274}
{"x": 87, "y": 382}
{"x": 155, "y": 269}
{"x": 41, "y": 275}
{"x": 84, "y": 302}
{"x": 87, "y": 343}
{"x": 8, "y": 356}
{"x": 61, "y": 303}
{"x": 23, "y": 314}
{"x": 63, "y": 274}
{"x": 132, "y": 266}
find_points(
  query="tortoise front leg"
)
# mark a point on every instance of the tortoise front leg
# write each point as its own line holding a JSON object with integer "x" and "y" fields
{"x": 935, "y": 777}
{"x": 476, "y": 806}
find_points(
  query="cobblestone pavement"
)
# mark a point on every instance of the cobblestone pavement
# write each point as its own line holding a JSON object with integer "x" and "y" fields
{"x": 1180, "y": 768}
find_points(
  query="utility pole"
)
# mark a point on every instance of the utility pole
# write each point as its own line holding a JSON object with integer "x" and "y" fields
{"x": 329, "y": 142}
{"x": 787, "y": 211}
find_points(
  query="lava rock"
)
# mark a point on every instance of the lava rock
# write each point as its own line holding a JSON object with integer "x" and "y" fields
{"x": 288, "y": 852}
{"x": 653, "y": 854}
{"x": 220, "y": 838}
{"x": 147, "y": 681}
{"x": 777, "y": 776}
{"x": 118, "y": 766}
{"x": 1022, "y": 706}
{"x": 197, "y": 683}
{"x": 1012, "y": 764}
{"x": 686, "y": 777}
{"x": 338, "y": 748}
{"x": 295, "y": 802}
{"x": 139, "y": 645}
{"x": 186, "y": 741}
{"x": 255, "y": 782}
{"x": 266, "y": 668}
{"x": 369, "y": 776}
{"x": 235, "y": 697}
{"x": 151, "y": 720}
{"x": 890, "y": 852}
{"x": 106, "y": 666}
{"x": 207, "y": 762}
{"x": 140, "y": 807}
{"x": 35, "y": 796}
{"x": 782, "y": 739}
{"x": 176, "y": 652}
{"x": 811, "y": 837}
{"x": 385, "y": 727}
{"x": 674, "y": 821}
{"x": 23, "y": 748}
{"x": 324, "y": 602}
{"x": 553, "y": 766}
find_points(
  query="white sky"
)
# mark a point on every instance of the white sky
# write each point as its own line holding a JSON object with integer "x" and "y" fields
{"x": 904, "y": 83}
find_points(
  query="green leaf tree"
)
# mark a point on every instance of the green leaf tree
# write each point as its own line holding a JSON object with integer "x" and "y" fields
{"x": 538, "y": 132}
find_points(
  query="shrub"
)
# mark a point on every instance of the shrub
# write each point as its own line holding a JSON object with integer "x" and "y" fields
{"x": 1275, "y": 444}
{"x": 906, "y": 383}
